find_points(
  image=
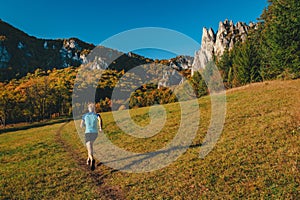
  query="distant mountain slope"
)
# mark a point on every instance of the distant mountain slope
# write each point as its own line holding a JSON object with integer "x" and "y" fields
{"x": 21, "y": 53}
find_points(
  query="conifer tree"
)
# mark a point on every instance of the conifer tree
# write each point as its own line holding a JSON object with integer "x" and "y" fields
{"x": 281, "y": 34}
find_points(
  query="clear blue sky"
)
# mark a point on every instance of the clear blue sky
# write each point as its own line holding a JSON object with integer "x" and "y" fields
{"x": 96, "y": 20}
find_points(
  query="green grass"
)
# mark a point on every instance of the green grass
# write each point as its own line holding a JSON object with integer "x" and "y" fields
{"x": 256, "y": 157}
{"x": 34, "y": 165}
{"x": 25, "y": 126}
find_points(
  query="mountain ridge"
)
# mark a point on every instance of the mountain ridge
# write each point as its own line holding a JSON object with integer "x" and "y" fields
{"x": 21, "y": 53}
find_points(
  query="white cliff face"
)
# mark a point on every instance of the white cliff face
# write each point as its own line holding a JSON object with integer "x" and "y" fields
{"x": 170, "y": 77}
{"x": 99, "y": 63}
{"x": 21, "y": 45}
{"x": 221, "y": 41}
{"x": 208, "y": 39}
{"x": 83, "y": 58}
{"x": 206, "y": 52}
{"x": 228, "y": 34}
{"x": 181, "y": 62}
{"x": 215, "y": 44}
{"x": 70, "y": 51}
{"x": 4, "y": 56}
{"x": 45, "y": 45}
{"x": 71, "y": 44}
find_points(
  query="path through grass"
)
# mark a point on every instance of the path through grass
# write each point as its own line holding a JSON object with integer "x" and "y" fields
{"x": 35, "y": 165}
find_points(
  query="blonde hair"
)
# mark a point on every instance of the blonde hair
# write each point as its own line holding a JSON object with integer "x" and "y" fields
{"x": 91, "y": 107}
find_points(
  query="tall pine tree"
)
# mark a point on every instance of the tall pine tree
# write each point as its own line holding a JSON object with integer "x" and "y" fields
{"x": 281, "y": 34}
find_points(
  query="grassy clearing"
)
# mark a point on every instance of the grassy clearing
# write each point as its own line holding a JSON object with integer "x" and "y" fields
{"x": 257, "y": 155}
{"x": 34, "y": 165}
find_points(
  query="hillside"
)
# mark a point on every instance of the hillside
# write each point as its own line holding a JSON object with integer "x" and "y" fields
{"x": 21, "y": 54}
{"x": 256, "y": 157}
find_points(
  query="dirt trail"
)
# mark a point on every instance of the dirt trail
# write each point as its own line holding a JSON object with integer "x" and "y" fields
{"x": 103, "y": 191}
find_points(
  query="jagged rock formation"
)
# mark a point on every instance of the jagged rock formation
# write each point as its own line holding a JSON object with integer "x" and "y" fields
{"x": 181, "y": 62}
{"x": 214, "y": 44}
{"x": 4, "y": 55}
{"x": 170, "y": 75}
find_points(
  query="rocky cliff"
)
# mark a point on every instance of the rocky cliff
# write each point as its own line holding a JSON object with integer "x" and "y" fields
{"x": 214, "y": 44}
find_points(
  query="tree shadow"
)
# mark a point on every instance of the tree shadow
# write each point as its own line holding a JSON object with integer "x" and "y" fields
{"x": 147, "y": 156}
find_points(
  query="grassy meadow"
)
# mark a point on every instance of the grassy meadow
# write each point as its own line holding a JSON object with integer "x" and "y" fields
{"x": 256, "y": 157}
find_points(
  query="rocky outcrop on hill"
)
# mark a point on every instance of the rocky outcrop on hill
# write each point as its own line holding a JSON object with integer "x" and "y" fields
{"x": 170, "y": 75}
{"x": 4, "y": 56}
{"x": 214, "y": 44}
{"x": 181, "y": 62}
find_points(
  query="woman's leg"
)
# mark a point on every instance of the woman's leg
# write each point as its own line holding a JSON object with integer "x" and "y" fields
{"x": 90, "y": 161}
{"x": 90, "y": 150}
{"x": 93, "y": 161}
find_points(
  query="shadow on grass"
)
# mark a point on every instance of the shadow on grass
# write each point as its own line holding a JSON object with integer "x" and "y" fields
{"x": 148, "y": 156}
{"x": 35, "y": 125}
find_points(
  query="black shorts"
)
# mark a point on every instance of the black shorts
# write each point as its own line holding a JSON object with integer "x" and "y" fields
{"x": 90, "y": 137}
